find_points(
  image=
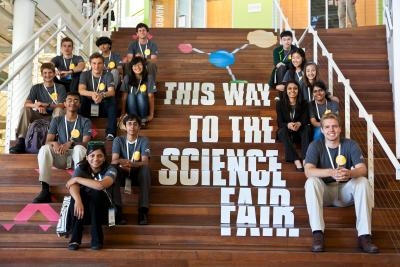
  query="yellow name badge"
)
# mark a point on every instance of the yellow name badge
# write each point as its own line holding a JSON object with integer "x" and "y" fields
{"x": 136, "y": 155}
{"x": 143, "y": 88}
{"x": 147, "y": 52}
{"x": 75, "y": 133}
{"x": 111, "y": 64}
{"x": 71, "y": 66}
{"x": 290, "y": 57}
{"x": 54, "y": 96}
{"x": 340, "y": 160}
{"x": 327, "y": 111}
{"x": 102, "y": 86}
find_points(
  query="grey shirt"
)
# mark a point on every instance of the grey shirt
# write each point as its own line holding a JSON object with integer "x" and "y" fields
{"x": 42, "y": 94}
{"x": 317, "y": 154}
{"x": 142, "y": 145}
{"x": 57, "y": 127}
{"x": 92, "y": 83}
{"x": 136, "y": 48}
{"x": 150, "y": 86}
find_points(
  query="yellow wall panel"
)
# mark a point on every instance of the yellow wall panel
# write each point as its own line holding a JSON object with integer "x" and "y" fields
{"x": 163, "y": 13}
{"x": 296, "y": 12}
{"x": 219, "y": 13}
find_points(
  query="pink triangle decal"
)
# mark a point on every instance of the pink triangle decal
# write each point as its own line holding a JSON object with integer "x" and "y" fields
{"x": 45, "y": 227}
{"x": 30, "y": 209}
{"x": 8, "y": 226}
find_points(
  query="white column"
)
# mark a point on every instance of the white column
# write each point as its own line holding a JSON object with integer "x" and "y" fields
{"x": 396, "y": 69}
{"x": 18, "y": 89}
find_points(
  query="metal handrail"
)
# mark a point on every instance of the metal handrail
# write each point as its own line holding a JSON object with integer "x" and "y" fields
{"x": 282, "y": 17}
{"x": 350, "y": 92}
{"x": 15, "y": 54}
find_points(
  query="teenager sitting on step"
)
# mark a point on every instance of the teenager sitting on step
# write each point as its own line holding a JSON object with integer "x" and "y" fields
{"x": 44, "y": 101}
{"x": 65, "y": 144}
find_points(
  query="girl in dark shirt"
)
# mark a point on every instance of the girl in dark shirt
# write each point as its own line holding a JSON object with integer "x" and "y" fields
{"x": 90, "y": 200}
{"x": 292, "y": 116}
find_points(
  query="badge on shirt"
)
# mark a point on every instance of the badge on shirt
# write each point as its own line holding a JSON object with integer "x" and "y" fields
{"x": 136, "y": 155}
{"x": 54, "y": 96}
{"x": 71, "y": 66}
{"x": 111, "y": 64}
{"x": 340, "y": 160}
{"x": 75, "y": 133}
{"x": 94, "y": 110}
{"x": 143, "y": 88}
{"x": 147, "y": 52}
{"x": 102, "y": 86}
{"x": 327, "y": 111}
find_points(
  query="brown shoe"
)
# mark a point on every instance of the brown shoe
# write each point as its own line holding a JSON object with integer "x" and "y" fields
{"x": 318, "y": 242}
{"x": 365, "y": 244}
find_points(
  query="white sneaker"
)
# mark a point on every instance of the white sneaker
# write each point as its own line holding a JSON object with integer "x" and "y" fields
{"x": 109, "y": 137}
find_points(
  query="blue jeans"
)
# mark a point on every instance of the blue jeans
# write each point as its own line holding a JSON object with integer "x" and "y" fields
{"x": 138, "y": 104}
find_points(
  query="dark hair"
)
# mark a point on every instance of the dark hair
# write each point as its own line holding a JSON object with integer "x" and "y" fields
{"x": 72, "y": 93}
{"x": 103, "y": 40}
{"x": 93, "y": 146}
{"x": 133, "y": 81}
{"x": 286, "y": 33}
{"x": 95, "y": 55}
{"x": 310, "y": 63}
{"x": 131, "y": 117}
{"x": 142, "y": 25}
{"x": 47, "y": 65}
{"x": 67, "y": 39}
{"x": 322, "y": 85}
{"x": 301, "y": 52}
{"x": 299, "y": 98}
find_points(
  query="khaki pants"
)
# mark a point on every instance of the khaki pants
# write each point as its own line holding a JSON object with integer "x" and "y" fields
{"x": 344, "y": 5}
{"x": 47, "y": 158}
{"x": 356, "y": 191}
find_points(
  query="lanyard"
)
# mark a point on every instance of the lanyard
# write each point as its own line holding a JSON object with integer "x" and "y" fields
{"x": 134, "y": 149}
{"x": 137, "y": 89}
{"x": 97, "y": 177}
{"x": 330, "y": 157}
{"x": 55, "y": 92}
{"x": 286, "y": 54}
{"x": 66, "y": 126}
{"x": 65, "y": 62}
{"x": 326, "y": 107}
{"x": 299, "y": 76}
{"x": 292, "y": 114}
{"x": 97, "y": 88}
{"x": 141, "y": 50}
{"x": 309, "y": 94}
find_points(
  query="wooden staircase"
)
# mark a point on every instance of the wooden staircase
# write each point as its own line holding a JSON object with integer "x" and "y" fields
{"x": 185, "y": 220}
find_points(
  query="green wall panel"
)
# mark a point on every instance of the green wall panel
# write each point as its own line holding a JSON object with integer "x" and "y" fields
{"x": 252, "y": 13}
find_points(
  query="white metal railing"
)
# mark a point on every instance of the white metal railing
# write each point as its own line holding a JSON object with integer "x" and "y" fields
{"x": 54, "y": 29}
{"x": 280, "y": 21}
{"x": 372, "y": 130}
{"x": 90, "y": 29}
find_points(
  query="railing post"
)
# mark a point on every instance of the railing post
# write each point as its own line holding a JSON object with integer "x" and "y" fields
{"x": 330, "y": 74}
{"x": 370, "y": 148}
{"x": 59, "y": 35}
{"x": 346, "y": 83}
{"x": 36, "y": 62}
{"x": 315, "y": 51}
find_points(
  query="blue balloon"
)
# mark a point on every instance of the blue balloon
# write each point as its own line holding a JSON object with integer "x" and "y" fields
{"x": 221, "y": 58}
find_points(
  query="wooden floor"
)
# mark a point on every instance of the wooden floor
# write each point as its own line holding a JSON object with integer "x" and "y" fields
{"x": 185, "y": 214}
